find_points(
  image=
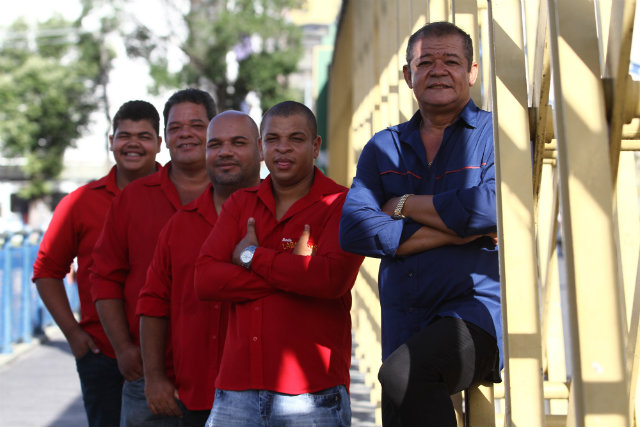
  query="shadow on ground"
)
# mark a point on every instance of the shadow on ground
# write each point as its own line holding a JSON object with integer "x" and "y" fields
{"x": 72, "y": 416}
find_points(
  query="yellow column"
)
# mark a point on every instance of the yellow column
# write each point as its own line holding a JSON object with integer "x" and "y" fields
{"x": 419, "y": 13}
{"x": 419, "y": 18}
{"x": 439, "y": 10}
{"x": 391, "y": 23}
{"x": 516, "y": 225}
{"x": 466, "y": 17}
{"x": 599, "y": 385}
{"x": 552, "y": 329}
{"x": 406, "y": 100}
{"x": 485, "y": 66}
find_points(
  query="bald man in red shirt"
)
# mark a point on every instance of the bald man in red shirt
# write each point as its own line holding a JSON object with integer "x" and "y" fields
{"x": 168, "y": 298}
{"x": 274, "y": 254}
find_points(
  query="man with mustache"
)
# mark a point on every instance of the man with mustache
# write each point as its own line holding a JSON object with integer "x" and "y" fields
{"x": 124, "y": 250}
{"x": 168, "y": 299}
{"x": 423, "y": 200}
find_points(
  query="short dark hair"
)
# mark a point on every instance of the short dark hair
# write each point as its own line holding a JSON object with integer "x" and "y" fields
{"x": 289, "y": 108}
{"x": 439, "y": 29}
{"x": 137, "y": 110}
{"x": 193, "y": 95}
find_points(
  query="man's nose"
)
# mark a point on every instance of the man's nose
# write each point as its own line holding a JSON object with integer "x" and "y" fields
{"x": 438, "y": 67}
{"x": 185, "y": 130}
{"x": 283, "y": 146}
{"x": 225, "y": 150}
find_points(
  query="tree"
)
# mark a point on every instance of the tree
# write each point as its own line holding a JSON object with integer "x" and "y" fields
{"x": 51, "y": 80}
{"x": 265, "y": 45}
{"x": 48, "y": 81}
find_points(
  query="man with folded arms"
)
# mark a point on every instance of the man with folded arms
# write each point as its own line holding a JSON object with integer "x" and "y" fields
{"x": 274, "y": 255}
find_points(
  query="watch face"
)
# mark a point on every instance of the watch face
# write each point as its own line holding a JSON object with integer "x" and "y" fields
{"x": 246, "y": 254}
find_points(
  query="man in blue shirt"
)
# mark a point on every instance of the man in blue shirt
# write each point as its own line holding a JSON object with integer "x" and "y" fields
{"x": 423, "y": 200}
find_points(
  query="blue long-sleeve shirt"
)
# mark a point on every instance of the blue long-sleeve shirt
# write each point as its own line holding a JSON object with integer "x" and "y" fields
{"x": 455, "y": 281}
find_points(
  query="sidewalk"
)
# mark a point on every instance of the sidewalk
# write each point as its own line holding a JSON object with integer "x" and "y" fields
{"x": 39, "y": 387}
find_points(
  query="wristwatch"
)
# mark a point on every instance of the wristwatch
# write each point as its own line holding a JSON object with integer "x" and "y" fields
{"x": 247, "y": 255}
{"x": 397, "y": 212}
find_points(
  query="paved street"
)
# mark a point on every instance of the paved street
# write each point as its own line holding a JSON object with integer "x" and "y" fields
{"x": 39, "y": 387}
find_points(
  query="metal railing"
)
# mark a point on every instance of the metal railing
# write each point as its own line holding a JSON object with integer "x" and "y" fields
{"x": 22, "y": 313}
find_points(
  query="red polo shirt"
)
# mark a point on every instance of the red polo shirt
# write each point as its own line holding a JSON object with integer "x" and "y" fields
{"x": 289, "y": 325}
{"x": 73, "y": 232}
{"x": 198, "y": 327}
{"x": 124, "y": 250}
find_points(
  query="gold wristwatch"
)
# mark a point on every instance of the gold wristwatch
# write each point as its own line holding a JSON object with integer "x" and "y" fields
{"x": 397, "y": 212}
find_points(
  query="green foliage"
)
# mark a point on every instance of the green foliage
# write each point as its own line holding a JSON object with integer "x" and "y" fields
{"x": 53, "y": 77}
{"x": 216, "y": 27}
{"x": 47, "y": 84}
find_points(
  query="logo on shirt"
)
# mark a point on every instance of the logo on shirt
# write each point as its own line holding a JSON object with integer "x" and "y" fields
{"x": 288, "y": 244}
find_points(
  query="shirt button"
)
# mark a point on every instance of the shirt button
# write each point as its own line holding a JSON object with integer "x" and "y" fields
{"x": 410, "y": 309}
{"x": 214, "y": 337}
{"x": 255, "y": 339}
{"x": 410, "y": 274}
{"x": 257, "y": 308}
{"x": 217, "y": 307}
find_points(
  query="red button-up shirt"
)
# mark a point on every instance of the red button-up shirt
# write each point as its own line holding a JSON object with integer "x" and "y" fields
{"x": 124, "y": 250}
{"x": 289, "y": 324}
{"x": 73, "y": 232}
{"x": 198, "y": 327}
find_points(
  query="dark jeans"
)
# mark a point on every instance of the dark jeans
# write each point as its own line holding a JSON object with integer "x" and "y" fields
{"x": 444, "y": 358}
{"x": 101, "y": 384}
{"x": 194, "y": 418}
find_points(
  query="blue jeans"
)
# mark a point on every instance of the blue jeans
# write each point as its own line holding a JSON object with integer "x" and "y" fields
{"x": 136, "y": 412}
{"x": 101, "y": 384}
{"x": 330, "y": 408}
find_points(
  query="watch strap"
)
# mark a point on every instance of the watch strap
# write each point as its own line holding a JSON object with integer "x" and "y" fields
{"x": 397, "y": 212}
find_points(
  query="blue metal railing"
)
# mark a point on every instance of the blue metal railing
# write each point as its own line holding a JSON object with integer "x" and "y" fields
{"x": 22, "y": 313}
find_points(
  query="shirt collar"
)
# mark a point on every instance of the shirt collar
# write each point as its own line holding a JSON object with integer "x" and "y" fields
{"x": 204, "y": 206}
{"x": 409, "y": 132}
{"x": 110, "y": 181}
{"x": 468, "y": 116}
{"x": 322, "y": 186}
{"x": 107, "y": 182}
{"x": 160, "y": 177}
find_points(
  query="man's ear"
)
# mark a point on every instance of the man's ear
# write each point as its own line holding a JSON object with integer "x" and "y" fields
{"x": 159, "y": 145}
{"x": 317, "y": 143}
{"x": 406, "y": 71}
{"x": 473, "y": 74}
{"x": 110, "y": 142}
{"x": 260, "y": 149}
